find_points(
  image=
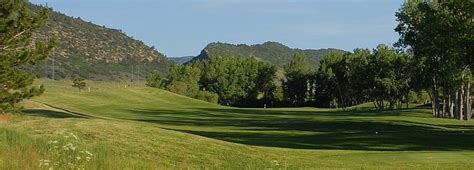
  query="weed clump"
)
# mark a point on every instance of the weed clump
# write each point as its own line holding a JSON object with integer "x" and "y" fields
{"x": 65, "y": 151}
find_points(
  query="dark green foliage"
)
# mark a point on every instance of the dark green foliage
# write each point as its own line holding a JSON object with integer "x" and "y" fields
{"x": 207, "y": 96}
{"x": 183, "y": 80}
{"x": 328, "y": 89}
{"x": 266, "y": 84}
{"x": 296, "y": 85}
{"x": 154, "y": 79}
{"x": 180, "y": 87}
{"x": 271, "y": 52}
{"x": 94, "y": 52}
{"x": 79, "y": 83}
{"x": 390, "y": 76}
{"x": 17, "y": 50}
{"x": 346, "y": 79}
{"x": 236, "y": 81}
{"x": 440, "y": 36}
{"x": 239, "y": 81}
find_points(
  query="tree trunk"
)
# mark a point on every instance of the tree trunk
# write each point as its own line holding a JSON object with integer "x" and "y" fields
{"x": 456, "y": 104}
{"x": 383, "y": 104}
{"x": 467, "y": 102}
{"x": 451, "y": 103}
{"x": 435, "y": 102}
{"x": 445, "y": 104}
{"x": 433, "y": 107}
{"x": 460, "y": 103}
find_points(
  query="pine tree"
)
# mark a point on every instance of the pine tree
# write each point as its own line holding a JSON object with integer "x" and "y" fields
{"x": 17, "y": 50}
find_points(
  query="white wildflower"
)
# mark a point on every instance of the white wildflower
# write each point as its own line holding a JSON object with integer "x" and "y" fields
{"x": 44, "y": 162}
{"x": 74, "y": 136}
{"x": 78, "y": 158}
{"x": 69, "y": 146}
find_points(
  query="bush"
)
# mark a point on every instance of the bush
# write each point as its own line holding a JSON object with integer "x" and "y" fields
{"x": 154, "y": 79}
{"x": 178, "y": 87}
{"x": 207, "y": 96}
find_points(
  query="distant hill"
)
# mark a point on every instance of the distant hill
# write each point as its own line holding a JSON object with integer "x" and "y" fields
{"x": 181, "y": 60}
{"x": 94, "y": 52}
{"x": 272, "y": 52}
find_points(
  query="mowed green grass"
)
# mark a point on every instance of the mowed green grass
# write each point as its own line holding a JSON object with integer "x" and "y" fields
{"x": 138, "y": 127}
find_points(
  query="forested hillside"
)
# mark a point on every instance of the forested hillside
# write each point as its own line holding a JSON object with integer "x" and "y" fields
{"x": 94, "y": 52}
{"x": 272, "y": 52}
{"x": 181, "y": 60}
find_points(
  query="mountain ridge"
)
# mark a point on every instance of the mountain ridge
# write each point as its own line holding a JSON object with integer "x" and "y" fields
{"x": 270, "y": 51}
{"x": 181, "y": 60}
{"x": 88, "y": 50}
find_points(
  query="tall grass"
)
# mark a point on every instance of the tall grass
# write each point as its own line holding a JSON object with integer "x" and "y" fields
{"x": 63, "y": 150}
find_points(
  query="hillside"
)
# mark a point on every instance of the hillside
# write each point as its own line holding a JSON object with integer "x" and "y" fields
{"x": 181, "y": 60}
{"x": 272, "y": 52}
{"x": 136, "y": 127}
{"x": 94, "y": 52}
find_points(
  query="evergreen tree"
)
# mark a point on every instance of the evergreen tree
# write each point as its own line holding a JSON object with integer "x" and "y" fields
{"x": 17, "y": 49}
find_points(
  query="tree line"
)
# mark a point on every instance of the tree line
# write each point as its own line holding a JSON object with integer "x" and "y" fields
{"x": 440, "y": 35}
{"x": 236, "y": 81}
{"x": 432, "y": 61}
{"x": 343, "y": 79}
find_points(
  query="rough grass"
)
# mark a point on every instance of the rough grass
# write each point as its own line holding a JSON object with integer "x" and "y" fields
{"x": 138, "y": 127}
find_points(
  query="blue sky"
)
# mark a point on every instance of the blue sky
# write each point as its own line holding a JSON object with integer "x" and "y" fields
{"x": 184, "y": 27}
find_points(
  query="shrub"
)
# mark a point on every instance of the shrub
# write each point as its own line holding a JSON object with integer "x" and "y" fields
{"x": 207, "y": 96}
{"x": 154, "y": 79}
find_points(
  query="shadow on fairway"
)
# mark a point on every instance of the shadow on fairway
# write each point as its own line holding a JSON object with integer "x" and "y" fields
{"x": 314, "y": 129}
{"x": 51, "y": 114}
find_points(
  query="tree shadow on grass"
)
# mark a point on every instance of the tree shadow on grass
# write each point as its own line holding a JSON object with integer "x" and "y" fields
{"x": 383, "y": 141}
{"x": 312, "y": 129}
{"x": 51, "y": 114}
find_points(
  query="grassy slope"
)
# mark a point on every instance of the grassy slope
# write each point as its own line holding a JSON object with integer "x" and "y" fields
{"x": 143, "y": 127}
